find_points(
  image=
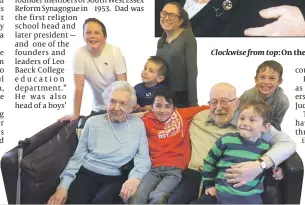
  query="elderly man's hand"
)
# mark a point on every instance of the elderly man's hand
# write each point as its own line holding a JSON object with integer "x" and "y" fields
{"x": 290, "y": 22}
{"x": 243, "y": 173}
{"x": 129, "y": 188}
{"x": 278, "y": 173}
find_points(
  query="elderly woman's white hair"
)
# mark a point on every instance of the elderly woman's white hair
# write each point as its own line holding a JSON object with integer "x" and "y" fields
{"x": 121, "y": 85}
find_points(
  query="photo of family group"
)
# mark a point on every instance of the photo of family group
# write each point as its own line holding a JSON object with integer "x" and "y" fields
{"x": 237, "y": 18}
{"x": 152, "y": 141}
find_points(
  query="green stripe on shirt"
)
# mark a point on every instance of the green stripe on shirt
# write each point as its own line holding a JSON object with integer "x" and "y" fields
{"x": 264, "y": 146}
{"x": 216, "y": 150}
{"x": 208, "y": 179}
{"x": 225, "y": 164}
{"x": 242, "y": 153}
{"x": 230, "y": 140}
{"x": 210, "y": 160}
{"x": 208, "y": 168}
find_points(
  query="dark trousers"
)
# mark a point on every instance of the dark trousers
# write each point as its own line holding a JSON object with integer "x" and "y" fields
{"x": 188, "y": 189}
{"x": 182, "y": 99}
{"x": 90, "y": 187}
{"x": 205, "y": 199}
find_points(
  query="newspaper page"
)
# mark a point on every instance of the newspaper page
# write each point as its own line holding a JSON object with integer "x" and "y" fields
{"x": 39, "y": 41}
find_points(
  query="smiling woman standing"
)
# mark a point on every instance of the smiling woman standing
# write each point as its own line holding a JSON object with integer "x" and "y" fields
{"x": 178, "y": 47}
{"x": 99, "y": 63}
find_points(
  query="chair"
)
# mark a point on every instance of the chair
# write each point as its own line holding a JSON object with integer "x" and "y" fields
{"x": 43, "y": 160}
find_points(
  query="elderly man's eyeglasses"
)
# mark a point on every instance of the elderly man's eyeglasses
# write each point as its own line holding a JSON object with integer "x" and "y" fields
{"x": 171, "y": 16}
{"x": 223, "y": 102}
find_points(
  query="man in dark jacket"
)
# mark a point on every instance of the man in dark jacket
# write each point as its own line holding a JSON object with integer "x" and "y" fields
{"x": 222, "y": 18}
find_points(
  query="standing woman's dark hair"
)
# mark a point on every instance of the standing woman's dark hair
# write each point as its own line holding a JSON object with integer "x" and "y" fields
{"x": 182, "y": 15}
{"x": 178, "y": 47}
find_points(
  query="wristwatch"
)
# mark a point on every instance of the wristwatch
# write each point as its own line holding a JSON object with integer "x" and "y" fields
{"x": 263, "y": 164}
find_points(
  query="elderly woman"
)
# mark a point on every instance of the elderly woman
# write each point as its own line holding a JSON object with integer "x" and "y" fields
{"x": 108, "y": 142}
{"x": 178, "y": 47}
{"x": 99, "y": 63}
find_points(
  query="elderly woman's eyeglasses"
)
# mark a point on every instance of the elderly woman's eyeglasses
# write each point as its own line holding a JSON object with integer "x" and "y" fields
{"x": 223, "y": 102}
{"x": 171, "y": 16}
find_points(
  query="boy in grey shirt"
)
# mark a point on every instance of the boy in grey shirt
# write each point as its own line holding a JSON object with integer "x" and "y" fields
{"x": 267, "y": 89}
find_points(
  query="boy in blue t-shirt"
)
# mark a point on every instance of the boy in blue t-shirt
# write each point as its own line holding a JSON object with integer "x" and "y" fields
{"x": 153, "y": 74}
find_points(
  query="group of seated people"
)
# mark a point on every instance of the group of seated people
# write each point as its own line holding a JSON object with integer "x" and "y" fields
{"x": 227, "y": 145}
{"x": 173, "y": 143}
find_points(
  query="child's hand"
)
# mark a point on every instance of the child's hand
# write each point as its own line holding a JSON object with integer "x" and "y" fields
{"x": 138, "y": 108}
{"x": 277, "y": 173}
{"x": 211, "y": 191}
{"x": 147, "y": 108}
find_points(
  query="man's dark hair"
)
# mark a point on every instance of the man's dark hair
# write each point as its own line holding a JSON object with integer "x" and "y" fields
{"x": 95, "y": 21}
{"x": 168, "y": 95}
{"x": 275, "y": 66}
{"x": 163, "y": 65}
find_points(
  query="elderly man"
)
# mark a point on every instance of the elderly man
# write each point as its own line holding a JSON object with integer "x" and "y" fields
{"x": 207, "y": 126}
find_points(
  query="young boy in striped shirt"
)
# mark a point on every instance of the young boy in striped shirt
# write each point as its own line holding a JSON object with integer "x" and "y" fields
{"x": 233, "y": 148}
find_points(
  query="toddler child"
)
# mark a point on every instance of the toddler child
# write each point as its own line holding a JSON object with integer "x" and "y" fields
{"x": 234, "y": 148}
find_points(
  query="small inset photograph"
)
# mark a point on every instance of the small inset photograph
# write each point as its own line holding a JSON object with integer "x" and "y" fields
{"x": 231, "y": 18}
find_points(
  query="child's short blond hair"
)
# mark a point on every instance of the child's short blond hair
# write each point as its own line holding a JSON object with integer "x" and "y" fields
{"x": 262, "y": 109}
{"x": 163, "y": 65}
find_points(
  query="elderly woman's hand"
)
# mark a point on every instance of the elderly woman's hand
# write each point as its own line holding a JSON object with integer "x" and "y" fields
{"x": 129, "y": 188}
{"x": 290, "y": 22}
{"x": 59, "y": 197}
